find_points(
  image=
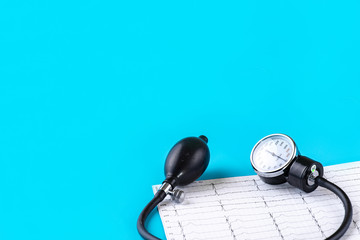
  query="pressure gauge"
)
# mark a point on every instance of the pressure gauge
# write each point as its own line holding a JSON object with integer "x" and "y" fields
{"x": 276, "y": 159}
{"x": 272, "y": 155}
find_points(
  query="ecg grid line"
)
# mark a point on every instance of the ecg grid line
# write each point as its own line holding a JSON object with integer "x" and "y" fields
{"x": 245, "y": 208}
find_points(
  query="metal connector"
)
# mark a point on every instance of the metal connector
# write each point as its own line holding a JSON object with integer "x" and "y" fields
{"x": 312, "y": 176}
{"x": 166, "y": 187}
{"x": 177, "y": 195}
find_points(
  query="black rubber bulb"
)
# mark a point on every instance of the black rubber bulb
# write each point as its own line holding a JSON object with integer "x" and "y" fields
{"x": 185, "y": 163}
{"x": 187, "y": 160}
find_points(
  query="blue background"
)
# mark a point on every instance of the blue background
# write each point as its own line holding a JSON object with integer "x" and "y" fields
{"x": 93, "y": 94}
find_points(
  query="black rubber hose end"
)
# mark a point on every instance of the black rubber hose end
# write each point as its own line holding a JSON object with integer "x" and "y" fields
{"x": 159, "y": 196}
{"x": 347, "y": 207}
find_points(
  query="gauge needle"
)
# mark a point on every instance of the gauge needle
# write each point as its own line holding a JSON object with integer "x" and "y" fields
{"x": 273, "y": 154}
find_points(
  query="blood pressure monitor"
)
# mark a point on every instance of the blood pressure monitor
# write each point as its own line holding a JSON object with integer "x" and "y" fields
{"x": 276, "y": 159}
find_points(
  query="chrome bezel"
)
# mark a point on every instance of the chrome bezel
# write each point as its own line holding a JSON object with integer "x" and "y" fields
{"x": 280, "y": 170}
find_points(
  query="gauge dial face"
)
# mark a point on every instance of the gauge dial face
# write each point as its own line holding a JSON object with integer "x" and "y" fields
{"x": 273, "y": 153}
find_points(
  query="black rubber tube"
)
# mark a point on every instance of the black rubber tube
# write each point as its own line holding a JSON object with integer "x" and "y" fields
{"x": 159, "y": 196}
{"x": 347, "y": 206}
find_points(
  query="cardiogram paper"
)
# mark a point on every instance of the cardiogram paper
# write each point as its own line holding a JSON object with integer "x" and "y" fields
{"x": 246, "y": 208}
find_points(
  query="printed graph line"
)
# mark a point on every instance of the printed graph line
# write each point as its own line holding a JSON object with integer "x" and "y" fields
{"x": 270, "y": 214}
{"x": 312, "y": 215}
{"x": 227, "y": 219}
{"x": 356, "y": 225}
{"x": 179, "y": 223}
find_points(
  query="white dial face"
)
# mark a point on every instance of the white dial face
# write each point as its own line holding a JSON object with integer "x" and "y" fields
{"x": 272, "y": 153}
